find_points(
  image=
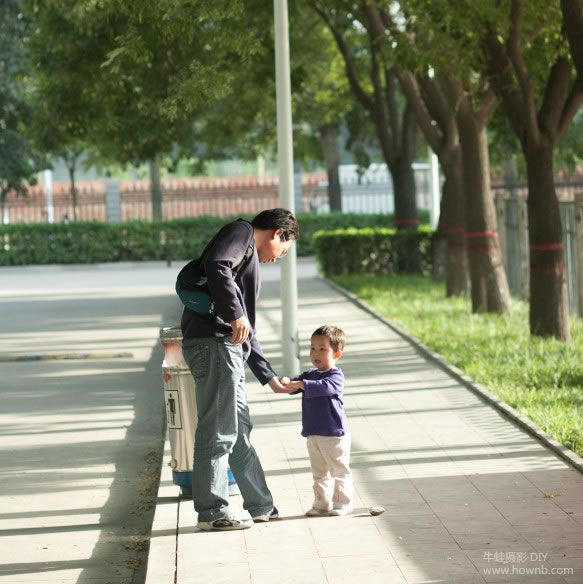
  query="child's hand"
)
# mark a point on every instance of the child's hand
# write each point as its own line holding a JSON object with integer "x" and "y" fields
{"x": 295, "y": 385}
{"x": 277, "y": 386}
{"x": 284, "y": 380}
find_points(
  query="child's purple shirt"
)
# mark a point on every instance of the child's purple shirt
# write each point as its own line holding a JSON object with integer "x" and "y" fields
{"x": 322, "y": 405}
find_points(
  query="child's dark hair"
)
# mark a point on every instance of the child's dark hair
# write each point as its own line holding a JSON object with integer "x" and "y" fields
{"x": 278, "y": 219}
{"x": 335, "y": 334}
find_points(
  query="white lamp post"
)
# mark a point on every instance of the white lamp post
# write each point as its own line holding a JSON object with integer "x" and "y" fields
{"x": 289, "y": 287}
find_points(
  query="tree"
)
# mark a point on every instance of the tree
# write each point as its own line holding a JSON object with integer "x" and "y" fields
{"x": 530, "y": 70}
{"x": 436, "y": 117}
{"x": 322, "y": 97}
{"x": 452, "y": 106}
{"x": 18, "y": 161}
{"x": 373, "y": 81}
{"x": 61, "y": 117}
{"x": 505, "y": 149}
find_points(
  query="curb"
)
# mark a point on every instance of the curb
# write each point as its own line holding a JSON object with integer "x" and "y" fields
{"x": 521, "y": 420}
{"x": 163, "y": 550}
{"x": 65, "y": 356}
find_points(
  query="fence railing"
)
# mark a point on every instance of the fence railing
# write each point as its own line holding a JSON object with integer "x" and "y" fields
{"x": 130, "y": 200}
{"x": 180, "y": 198}
{"x": 372, "y": 193}
{"x": 511, "y": 207}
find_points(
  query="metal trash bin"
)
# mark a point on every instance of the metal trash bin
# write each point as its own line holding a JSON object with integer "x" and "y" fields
{"x": 180, "y": 404}
{"x": 181, "y": 414}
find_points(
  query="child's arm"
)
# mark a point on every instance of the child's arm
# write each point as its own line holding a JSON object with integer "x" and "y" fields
{"x": 330, "y": 386}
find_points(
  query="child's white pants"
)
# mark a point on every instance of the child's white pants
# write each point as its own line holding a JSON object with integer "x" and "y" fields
{"x": 330, "y": 460}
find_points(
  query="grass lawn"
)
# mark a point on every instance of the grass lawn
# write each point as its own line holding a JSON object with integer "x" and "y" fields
{"x": 542, "y": 378}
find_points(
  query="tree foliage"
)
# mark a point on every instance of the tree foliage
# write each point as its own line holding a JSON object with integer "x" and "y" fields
{"x": 130, "y": 76}
{"x": 18, "y": 162}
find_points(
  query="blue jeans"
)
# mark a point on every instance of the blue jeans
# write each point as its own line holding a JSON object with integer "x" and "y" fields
{"x": 222, "y": 434}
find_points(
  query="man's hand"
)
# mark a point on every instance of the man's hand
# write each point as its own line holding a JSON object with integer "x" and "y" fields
{"x": 277, "y": 387}
{"x": 241, "y": 328}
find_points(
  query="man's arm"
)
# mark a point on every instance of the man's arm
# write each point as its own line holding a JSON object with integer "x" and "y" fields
{"x": 260, "y": 366}
{"x": 277, "y": 387}
{"x": 219, "y": 261}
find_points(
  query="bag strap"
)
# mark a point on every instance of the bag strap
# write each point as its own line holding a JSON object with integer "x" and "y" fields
{"x": 246, "y": 258}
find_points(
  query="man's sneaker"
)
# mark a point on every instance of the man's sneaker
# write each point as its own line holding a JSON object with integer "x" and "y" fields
{"x": 227, "y": 523}
{"x": 314, "y": 512}
{"x": 273, "y": 514}
{"x": 340, "y": 511}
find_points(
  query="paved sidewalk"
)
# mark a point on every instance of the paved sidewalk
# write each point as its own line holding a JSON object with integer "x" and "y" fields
{"x": 80, "y": 419}
{"x": 469, "y": 496}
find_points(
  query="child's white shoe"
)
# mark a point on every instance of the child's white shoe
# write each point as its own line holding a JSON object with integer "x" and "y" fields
{"x": 337, "y": 511}
{"x": 314, "y": 512}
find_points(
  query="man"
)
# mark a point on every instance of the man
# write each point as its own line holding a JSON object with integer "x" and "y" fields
{"x": 216, "y": 348}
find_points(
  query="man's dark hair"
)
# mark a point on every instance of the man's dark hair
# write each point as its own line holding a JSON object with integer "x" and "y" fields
{"x": 278, "y": 219}
{"x": 334, "y": 334}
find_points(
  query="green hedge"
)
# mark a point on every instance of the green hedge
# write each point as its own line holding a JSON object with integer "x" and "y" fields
{"x": 310, "y": 223}
{"x": 378, "y": 250}
{"x": 80, "y": 243}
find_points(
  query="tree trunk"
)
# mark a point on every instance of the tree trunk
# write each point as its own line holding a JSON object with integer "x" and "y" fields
{"x": 405, "y": 194}
{"x": 404, "y": 176}
{"x": 489, "y": 286}
{"x": 457, "y": 279}
{"x": 329, "y": 141}
{"x": 71, "y": 167}
{"x": 156, "y": 189}
{"x": 549, "y": 314}
{"x": 439, "y": 267}
{"x": 573, "y": 23}
{"x": 401, "y": 169}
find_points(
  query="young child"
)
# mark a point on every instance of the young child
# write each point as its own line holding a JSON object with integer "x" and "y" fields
{"x": 324, "y": 423}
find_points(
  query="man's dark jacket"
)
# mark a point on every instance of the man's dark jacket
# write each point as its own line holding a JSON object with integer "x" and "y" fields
{"x": 233, "y": 297}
